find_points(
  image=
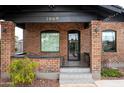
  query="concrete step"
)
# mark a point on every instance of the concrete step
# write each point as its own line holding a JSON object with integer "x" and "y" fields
{"x": 75, "y": 70}
{"x": 75, "y": 75}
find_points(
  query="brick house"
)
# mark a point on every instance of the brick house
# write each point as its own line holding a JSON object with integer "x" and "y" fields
{"x": 64, "y": 36}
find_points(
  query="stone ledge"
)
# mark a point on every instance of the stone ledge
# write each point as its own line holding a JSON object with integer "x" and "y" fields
{"x": 33, "y": 56}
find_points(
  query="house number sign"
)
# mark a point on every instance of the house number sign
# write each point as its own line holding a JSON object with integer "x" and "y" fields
{"x": 52, "y": 18}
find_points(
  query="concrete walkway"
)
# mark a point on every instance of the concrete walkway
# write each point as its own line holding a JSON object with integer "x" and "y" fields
{"x": 78, "y": 85}
{"x": 99, "y": 83}
{"x": 109, "y": 83}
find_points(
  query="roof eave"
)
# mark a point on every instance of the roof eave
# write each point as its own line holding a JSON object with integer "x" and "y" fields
{"x": 113, "y": 8}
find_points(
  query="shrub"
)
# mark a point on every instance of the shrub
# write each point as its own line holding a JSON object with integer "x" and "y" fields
{"x": 109, "y": 72}
{"x": 22, "y": 71}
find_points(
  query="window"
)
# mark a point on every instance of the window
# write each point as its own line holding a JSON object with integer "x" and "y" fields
{"x": 50, "y": 42}
{"x": 109, "y": 41}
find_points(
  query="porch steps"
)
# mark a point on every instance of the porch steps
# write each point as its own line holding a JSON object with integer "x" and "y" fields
{"x": 75, "y": 76}
{"x": 74, "y": 69}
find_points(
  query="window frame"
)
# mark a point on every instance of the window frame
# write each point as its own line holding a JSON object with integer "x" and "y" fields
{"x": 109, "y": 30}
{"x": 49, "y": 31}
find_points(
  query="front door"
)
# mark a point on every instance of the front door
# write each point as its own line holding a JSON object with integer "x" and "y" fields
{"x": 74, "y": 46}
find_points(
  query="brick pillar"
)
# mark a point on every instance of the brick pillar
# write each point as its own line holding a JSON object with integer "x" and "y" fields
{"x": 7, "y": 46}
{"x": 96, "y": 49}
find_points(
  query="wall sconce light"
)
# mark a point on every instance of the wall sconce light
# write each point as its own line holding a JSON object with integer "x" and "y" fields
{"x": 96, "y": 30}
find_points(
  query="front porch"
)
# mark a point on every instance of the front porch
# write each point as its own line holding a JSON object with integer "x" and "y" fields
{"x": 72, "y": 49}
{"x": 67, "y": 39}
{"x": 73, "y": 41}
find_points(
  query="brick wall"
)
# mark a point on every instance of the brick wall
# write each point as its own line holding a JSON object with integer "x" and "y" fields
{"x": 32, "y": 37}
{"x": 7, "y": 45}
{"x": 97, "y": 55}
{"x": 46, "y": 64}
{"x": 50, "y": 64}
{"x": 118, "y": 56}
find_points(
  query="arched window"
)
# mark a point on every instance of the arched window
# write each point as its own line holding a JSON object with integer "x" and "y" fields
{"x": 109, "y": 41}
{"x": 50, "y": 41}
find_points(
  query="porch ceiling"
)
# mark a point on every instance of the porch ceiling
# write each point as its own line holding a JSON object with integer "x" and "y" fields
{"x": 21, "y": 14}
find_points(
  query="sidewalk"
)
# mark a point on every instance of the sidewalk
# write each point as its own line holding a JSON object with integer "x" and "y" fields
{"x": 110, "y": 83}
{"x": 78, "y": 85}
{"x": 100, "y": 83}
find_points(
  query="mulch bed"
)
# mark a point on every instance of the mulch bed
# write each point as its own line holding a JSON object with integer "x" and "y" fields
{"x": 45, "y": 83}
{"x": 36, "y": 83}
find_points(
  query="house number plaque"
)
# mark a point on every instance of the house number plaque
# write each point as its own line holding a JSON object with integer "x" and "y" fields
{"x": 52, "y": 18}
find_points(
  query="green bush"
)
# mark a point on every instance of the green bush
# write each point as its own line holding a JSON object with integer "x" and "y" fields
{"x": 109, "y": 72}
{"x": 22, "y": 71}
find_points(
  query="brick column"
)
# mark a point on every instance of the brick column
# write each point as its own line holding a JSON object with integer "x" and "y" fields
{"x": 96, "y": 49}
{"x": 7, "y": 46}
